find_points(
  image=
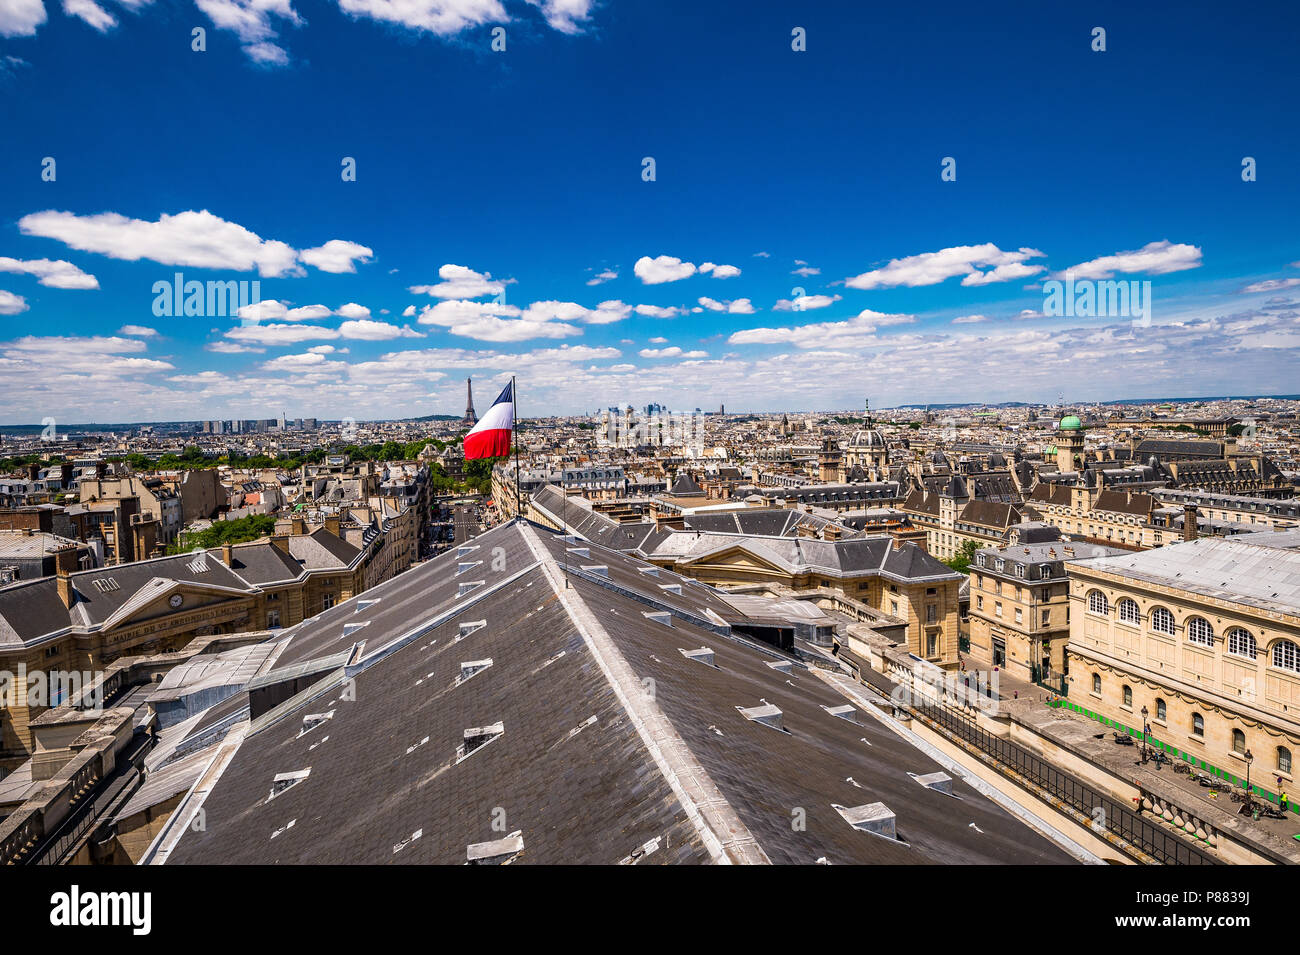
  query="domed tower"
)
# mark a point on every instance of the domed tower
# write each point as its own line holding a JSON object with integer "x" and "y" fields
{"x": 1069, "y": 444}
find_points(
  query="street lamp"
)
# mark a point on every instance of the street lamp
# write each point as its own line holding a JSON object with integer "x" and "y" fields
{"x": 1249, "y": 759}
{"x": 1146, "y": 728}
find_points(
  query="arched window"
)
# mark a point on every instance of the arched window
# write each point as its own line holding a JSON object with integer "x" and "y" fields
{"x": 1096, "y": 683}
{"x": 1238, "y": 741}
{"x": 1129, "y": 612}
{"x": 1097, "y": 603}
{"x": 1160, "y": 710}
{"x": 1198, "y": 724}
{"x": 1286, "y": 656}
{"x": 1241, "y": 643}
{"x": 1162, "y": 621}
{"x": 1128, "y": 695}
{"x": 1200, "y": 631}
{"x": 1283, "y": 759}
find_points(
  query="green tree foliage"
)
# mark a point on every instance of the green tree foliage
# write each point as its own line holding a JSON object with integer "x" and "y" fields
{"x": 962, "y": 560}
{"x": 227, "y": 532}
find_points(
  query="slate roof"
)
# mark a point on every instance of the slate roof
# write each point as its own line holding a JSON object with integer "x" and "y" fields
{"x": 572, "y": 769}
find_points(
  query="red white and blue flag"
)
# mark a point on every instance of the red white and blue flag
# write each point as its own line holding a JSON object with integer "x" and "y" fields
{"x": 490, "y": 438}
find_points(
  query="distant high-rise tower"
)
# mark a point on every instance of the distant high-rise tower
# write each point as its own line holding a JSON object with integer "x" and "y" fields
{"x": 470, "y": 417}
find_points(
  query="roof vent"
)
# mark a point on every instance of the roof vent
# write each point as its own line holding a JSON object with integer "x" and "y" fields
{"x": 649, "y": 569}
{"x": 600, "y": 570}
{"x": 702, "y": 655}
{"x": 470, "y": 667}
{"x": 312, "y": 720}
{"x": 477, "y": 737}
{"x": 496, "y": 852}
{"x": 584, "y": 552}
{"x": 199, "y": 565}
{"x": 783, "y": 666}
{"x": 407, "y": 841}
{"x": 844, "y": 712}
{"x": 660, "y": 616}
{"x": 284, "y": 828}
{"x": 467, "y": 586}
{"x": 641, "y": 851}
{"x": 465, "y": 565}
{"x": 464, "y": 549}
{"x": 875, "y": 818}
{"x": 672, "y": 588}
{"x": 106, "y": 585}
{"x": 767, "y": 714}
{"x": 470, "y": 626}
{"x": 285, "y": 781}
{"x": 365, "y": 604}
{"x": 939, "y": 782}
{"x": 589, "y": 721}
{"x": 351, "y": 628}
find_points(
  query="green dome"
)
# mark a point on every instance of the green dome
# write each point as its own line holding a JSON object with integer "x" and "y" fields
{"x": 1071, "y": 423}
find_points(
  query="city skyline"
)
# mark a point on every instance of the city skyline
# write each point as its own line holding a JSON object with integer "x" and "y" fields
{"x": 797, "y": 247}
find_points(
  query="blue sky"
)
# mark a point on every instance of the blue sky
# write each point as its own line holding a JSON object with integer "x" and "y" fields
{"x": 499, "y": 222}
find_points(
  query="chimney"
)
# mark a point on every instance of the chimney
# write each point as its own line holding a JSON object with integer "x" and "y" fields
{"x": 65, "y": 558}
{"x": 898, "y": 543}
{"x": 228, "y": 554}
{"x": 281, "y": 543}
{"x": 332, "y": 524}
{"x": 1190, "y": 530}
{"x": 299, "y": 526}
{"x": 66, "y": 593}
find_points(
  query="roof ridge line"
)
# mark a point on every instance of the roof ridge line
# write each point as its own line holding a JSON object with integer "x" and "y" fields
{"x": 726, "y": 838}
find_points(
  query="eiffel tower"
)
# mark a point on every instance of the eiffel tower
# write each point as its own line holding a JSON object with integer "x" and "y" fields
{"x": 470, "y": 417}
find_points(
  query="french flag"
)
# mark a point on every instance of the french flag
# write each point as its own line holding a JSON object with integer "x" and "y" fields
{"x": 490, "y": 438}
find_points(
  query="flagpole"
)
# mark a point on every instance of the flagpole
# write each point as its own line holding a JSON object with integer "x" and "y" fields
{"x": 514, "y": 397}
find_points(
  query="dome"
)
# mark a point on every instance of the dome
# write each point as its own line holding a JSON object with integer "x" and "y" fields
{"x": 1071, "y": 423}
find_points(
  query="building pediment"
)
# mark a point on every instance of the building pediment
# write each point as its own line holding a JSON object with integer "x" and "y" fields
{"x": 161, "y": 596}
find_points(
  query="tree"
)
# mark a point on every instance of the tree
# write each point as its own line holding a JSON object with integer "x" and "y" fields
{"x": 965, "y": 555}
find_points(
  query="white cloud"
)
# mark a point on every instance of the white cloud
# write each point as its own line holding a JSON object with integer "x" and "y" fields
{"x": 139, "y": 331}
{"x": 566, "y": 16}
{"x": 21, "y": 17}
{"x": 279, "y": 334}
{"x": 490, "y": 322}
{"x": 859, "y": 331}
{"x": 658, "y": 340}
{"x": 96, "y": 356}
{"x": 373, "y": 331}
{"x": 92, "y": 13}
{"x": 605, "y": 313}
{"x": 353, "y": 310}
{"x": 741, "y": 306}
{"x": 54, "y": 273}
{"x": 11, "y": 304}
{"x": 608, "y": 275}
{"x": 805, "y": 302}
{"x": 196, "y": 239}
{"x": 969, "y": 319}
{"x": 931, "y": 268}
{"x": 671, "y": 351}
{"x": 662, "y": 268}
{"x": 719, "y": 271}
{"x": 657, "y": 311}
{"x": 232, "y": 348}
{"x": 806, "y": 270}
{"x": 308, "y": 360}
{"x": 250, "y": 20}
{"x": 459, "y": 282}
{"x": 1154, "y": 258}
{"x": 337, "y": 255}
{"x": 408, "y": 312}
{"x": 1270, "y": 285}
